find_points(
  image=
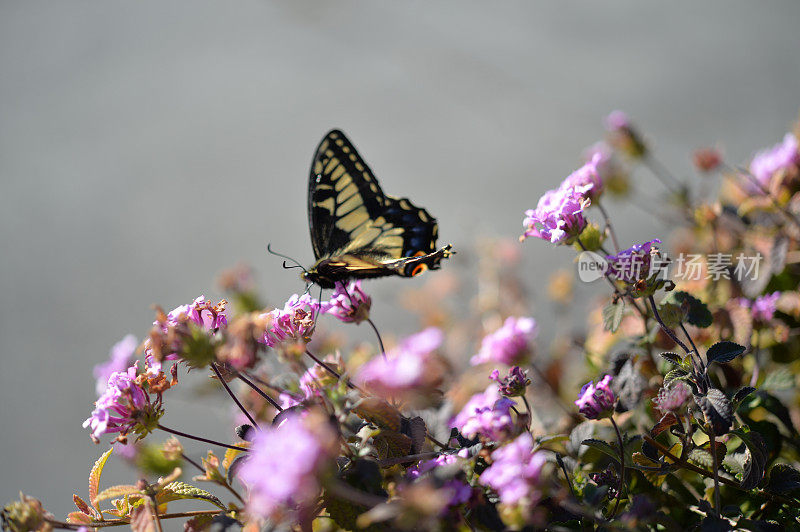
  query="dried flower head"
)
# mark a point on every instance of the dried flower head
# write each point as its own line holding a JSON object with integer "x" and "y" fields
{"x": 514, "y": 384}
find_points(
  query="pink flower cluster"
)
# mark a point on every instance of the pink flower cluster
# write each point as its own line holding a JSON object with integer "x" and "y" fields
{"x": 763, "y": 307}
{"x": 121, "y": 406}
{"x": 596, "y": 401}
{"x": 558, "y": 216}
{"x": 294, "y": 323}
{"x": 514, "y": 384}
{"x": 411, "y": 367}
{"x": 783, "y": 157}
{"x": 349, "y": 303}
{"x": 515, "y": 472}
{"x": 285, "y": 466}
{"x": 510, "y": 344}
{"x": 486, "y": 414}
{"x": 120, "y": 358}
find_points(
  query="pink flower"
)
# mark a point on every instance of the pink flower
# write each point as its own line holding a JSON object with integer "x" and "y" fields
{"x": 285, "y": 466}
{"x": 558, "y": 216}
{"x": 596, "y": 401}
{"x": 672, "y": 398}
{"x": 514, "y": 384}
{"x": 763, "y": 307}
{"x": 409, "y": 368}
{"x": 486, "y": 414}
{"x": 635, "y": 263}
{"x": 515, "y": 472}
{"x": 617, "y": 121}
{"x": 202, "y": 313}
{"x": 586, "y": 179}
{"x": 510, "y": 344}
{"x": 782, "y": 157}
{"x": 348, "y": 303}
{"x": 123, "y": 407}
{"x": 294, "y": 323}
{"x": 120, "y": 358}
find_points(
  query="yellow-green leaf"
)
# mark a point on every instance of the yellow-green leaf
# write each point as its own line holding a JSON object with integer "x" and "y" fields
{"x": 94, "y": 476}
{"x": 180, "y": 490}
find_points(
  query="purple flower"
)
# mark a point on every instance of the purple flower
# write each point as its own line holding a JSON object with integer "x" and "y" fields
{"x": 124, "y": 406}
{"x": 486, "y": 414}
{"x": 510, "y": 344}
{"x": 515, "y": 471}
{"x": 635, "y": 263}
{"x": 763, "y": 307}
{"x": 169, "y": 330}
{"x": 317, "y": 377}
{"x": 202, "y": 313}
{"x": 586, "y": 179}
{"x": 426, "y": 466}
{"x": 596, "y": 401}
{"x": 673, "y": 397}
{"x": 294, "y": 323}
{"x": 285, "y": 466}
{"x": 460, "y": 492}
{"x": 617, "y": 121}
{"x": 120, "y": 358}
{"x": 411, "y": 367}
{"x": 558, "y": 216}
{"x": 348, "y": 303}
{"x": 783, "y": 157}
{"x": 514, "y": 384}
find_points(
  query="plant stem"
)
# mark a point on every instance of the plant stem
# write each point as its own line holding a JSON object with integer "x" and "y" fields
{"x": 233, "y": 396}
{"x": 610, "y": 228}
{"x": 330, "y": 370}
{"x": 713, "y": 448}
{"x": 380, "y": 340}
{"x": 121, "y": 522}
{"x": 260, "y": 392}
{"x": 621, "y": 467}
{"x": 199, "y": 438}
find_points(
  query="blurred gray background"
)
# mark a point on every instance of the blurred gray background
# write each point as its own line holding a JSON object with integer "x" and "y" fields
{"x": 145, "y": 146}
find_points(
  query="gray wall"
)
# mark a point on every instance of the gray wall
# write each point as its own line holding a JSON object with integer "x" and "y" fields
{"x": 145, "y": 146}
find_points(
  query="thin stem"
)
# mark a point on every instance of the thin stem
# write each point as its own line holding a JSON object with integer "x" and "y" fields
{"x": 199, "y": 438}
{"x": 380, "y": 340}
{"x": 666, "y": 329}
{"x": 552, "y": 389}
{"x": 663, "y": 174}
{"x": 154, "y": 506}
{"x": 717, "y": 497}
{"x": 750, "y": 177}
{"x": 233, "y": 396}
{"x": 410, "y": 458}
{"x": 260, "y": 392}
{"x": 434, "y": 441}
{"x": 610, "y": 228}
{"x": 621, "y": 467}
{"x": 533, "y": 418}
{"x": 121, "y": 522}
{"x": 330, "y": 370}
{"x": 195, "y": 464}
{"x": 566, "y": 474}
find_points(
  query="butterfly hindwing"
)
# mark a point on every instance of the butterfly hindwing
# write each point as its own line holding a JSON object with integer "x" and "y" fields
{"x": 356, "y": 230}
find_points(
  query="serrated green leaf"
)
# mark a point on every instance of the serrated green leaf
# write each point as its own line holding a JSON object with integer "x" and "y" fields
{"x": 672, "y": 358}
{"x": 724, "y": 352}
{"x": 780, "y": 379}
{"x": 675, "y": 374}
{"x": 180, "y": 490}
{"x": 717, "y": 410}
{"x": 118, "y": 492}
{"x": 94, "y": 476}
{"x": 701, "y": 457}
{"x": 695, "y": 311}
{"x": 601, "y": 446}
{"x": 783, "y": 478}
{"x": 755, "y": 457}
{"x": 612, "y": 315}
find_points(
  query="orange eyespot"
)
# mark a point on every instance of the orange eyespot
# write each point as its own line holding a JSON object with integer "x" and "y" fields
{"x": 419, "y": 254}
{"x": 418, "y": 269}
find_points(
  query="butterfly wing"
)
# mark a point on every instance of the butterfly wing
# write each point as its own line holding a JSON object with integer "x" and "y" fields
{"x": 350, "y": 214}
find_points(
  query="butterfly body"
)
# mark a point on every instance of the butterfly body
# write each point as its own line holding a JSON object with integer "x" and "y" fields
{"x": 357, "y": 231}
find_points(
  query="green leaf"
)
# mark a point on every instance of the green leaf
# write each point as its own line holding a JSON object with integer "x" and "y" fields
{"x": 695, "y": 311}
{"x": 755, "y": 458}
{"x": 717, "y": 410}
{"x": 612, "y": 315}
{"x": 673, "y": 358}
{"x": 783, "y": 478}
{"x": 601, "y": 446}
{"x": 724, "y": 352}
{"x": 780, "y": 379}
{"x": 94, "y": 476}
{"x": 117, "y": 492}
{"x": 675, "y": 374}
{"x": 180, "y": 490}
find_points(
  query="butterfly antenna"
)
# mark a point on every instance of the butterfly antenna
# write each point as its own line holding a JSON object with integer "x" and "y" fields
{"x": 297, "y": 264}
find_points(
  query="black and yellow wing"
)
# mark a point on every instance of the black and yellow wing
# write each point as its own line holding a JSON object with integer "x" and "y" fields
{"x": 357, "y": 231}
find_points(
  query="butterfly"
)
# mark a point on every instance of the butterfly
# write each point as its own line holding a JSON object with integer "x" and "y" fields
{"x": 357, "y": 231}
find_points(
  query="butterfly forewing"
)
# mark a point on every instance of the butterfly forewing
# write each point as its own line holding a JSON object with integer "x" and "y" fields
{"x": 363, "y": 232}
